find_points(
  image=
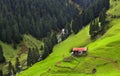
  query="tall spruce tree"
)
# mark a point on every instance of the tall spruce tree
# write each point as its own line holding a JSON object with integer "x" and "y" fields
{"x": 10, "y": 69}
{"x": 102, "y": 18}
{"x": 54, "y": 39}
{"x": 1, "y": 72}
{"x": 17, "y": 65}
{"x": 29, "y": 58}
{"x": 2, "y": 58}
{"x": 94, "y": 28}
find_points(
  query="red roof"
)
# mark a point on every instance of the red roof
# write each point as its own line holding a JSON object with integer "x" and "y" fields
{"x": 79, "y": 49}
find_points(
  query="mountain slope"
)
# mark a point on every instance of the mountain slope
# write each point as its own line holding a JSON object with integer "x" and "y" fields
{"x": 103, "y": 55}
{"x": 10, "y": 53}
{"x": 59, "y": 51}
{"x": 104, "y": 52}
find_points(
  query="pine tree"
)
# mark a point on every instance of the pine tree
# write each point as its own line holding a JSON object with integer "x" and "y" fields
{"x": 1, "y": 73}
{"x": 102, "y": 18}
{"x": 17, "y": 65}
{"x": 29, "y": 58}
{"x": 94, "y": 28}
{"x": 54, "y": 39}
{"x": 33, "y": 56}
{"x": 68, "y": 28}
{"x": 37, "y": 55}
{"x": 46, "y": 52}
{"x": 2, "y": 58}
{"x": 10, "y": 69}
{"x": 91, "y": 29}
{"x": 75, "y": 26}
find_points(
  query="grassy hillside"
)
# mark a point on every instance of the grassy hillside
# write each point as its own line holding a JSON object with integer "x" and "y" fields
{"x": 21, "y": 51}
{"x": 103, "y": 54}
{"x": 61, "y": 50}
{"x": 115, "y": 5}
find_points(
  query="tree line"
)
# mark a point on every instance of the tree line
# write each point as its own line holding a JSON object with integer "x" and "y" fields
{"x": 89, "y": 14}
{"x": 35, "y": 17}
{"x": 12, "y": 70}
{"x": 78, "y": 23}
{"x": 97, "y": 26}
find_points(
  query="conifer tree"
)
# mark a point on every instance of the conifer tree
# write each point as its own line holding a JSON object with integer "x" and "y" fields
{"x": 1, "y": 73}
{"x": 2, "y": 58}
{"x": 17, "y": 65}
{"x": 10, "y": 69}
{"x": 29, "y": 58}
{"x": 102, "y": 18}
{"x": 54, "y": 39}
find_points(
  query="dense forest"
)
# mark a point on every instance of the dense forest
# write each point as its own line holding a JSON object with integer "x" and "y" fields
{"x": 84, "y": 3}
{"x": 35, "y": 17}
{"x": 39, "y": 17}
{"x": 89, "y": 14}
{"x": 45, "y": 19}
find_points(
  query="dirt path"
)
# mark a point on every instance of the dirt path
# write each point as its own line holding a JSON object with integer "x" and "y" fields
{"x": 114, "y": 62}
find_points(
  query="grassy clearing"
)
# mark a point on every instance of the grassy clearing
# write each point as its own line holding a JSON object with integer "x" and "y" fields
{"x": 106, "y": 49}
{"x": 32, "y": 42}
{"x": 11, "y": 54}
{"x": 114, "y": 9}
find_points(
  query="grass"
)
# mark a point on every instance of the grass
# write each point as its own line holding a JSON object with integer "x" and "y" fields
{"x": 59, "y": 52}
{"x": 105, "y": 48}
{"x": 102, "y": 53}
{"x": 31, "y": 42}
{"x": 11, "y": 54}
{"x": 114, "y": 9}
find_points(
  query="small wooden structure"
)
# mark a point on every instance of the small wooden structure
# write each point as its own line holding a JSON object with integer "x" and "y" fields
{"x": 79, "y": 51}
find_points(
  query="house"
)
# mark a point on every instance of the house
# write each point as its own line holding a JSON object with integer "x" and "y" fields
{"x": 79, "y": 51}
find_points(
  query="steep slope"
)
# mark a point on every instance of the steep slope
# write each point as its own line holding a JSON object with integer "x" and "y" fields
{"x": 10, "y": 53}
{"x": 103, "y": 55}
{"x": 18, "y": 17}
{"x": 59, "y": 51}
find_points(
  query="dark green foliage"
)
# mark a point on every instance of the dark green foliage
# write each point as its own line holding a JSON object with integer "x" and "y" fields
{"x": 11, "y": 70}
{"x": 89, "y": 14}
{"x": 35, "y": 17}
{"x": 46, "y": 52}
{"x": 49, "y": 43}
{"x": 36, "y": 55}
{"x": 68, "y": 29}
{"x": 84, "y": 3}
{"x": 33, "y": 56}
{"x": 2, "y": 58}
{"x": 17, "y": 65}
{"x": 29, "y": 61}
{"x": 41, "y": 48}
{"x": 54, "y": 39}
{"x": 14, "y": 45}
{"x": 94, "y": 28}
{"x": 75, "y": 26}
{"x": 102, "y": 18}
{"x": 1, "y": 73}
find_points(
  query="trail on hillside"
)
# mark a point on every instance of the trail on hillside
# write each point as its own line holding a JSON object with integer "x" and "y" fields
{"x": 114, "y": 62}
